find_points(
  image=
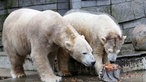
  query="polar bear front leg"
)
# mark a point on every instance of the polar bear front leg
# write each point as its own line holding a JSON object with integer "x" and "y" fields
{"x": 39, "y": 56}
{"x": 98, "y": 65}
{"x": 44, "y": 68}
{"x": 105, "y": 59}
{"x": 63, "y": 60}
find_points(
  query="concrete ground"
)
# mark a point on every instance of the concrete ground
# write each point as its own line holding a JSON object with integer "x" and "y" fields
{"x": 32, "y": 76}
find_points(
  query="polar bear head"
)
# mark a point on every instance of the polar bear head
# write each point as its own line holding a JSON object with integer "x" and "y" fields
{"x": 112, "y": 45}
{"x": 81, "y": 51}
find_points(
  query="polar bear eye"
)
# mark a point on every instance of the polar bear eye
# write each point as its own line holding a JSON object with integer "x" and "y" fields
{"x": 84, "y": 53}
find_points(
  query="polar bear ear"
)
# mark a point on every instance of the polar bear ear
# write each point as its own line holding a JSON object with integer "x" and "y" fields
{"x": 123, "y": 39}
{"x": 68, "y": 45}
{"x": 103, "y": 40}
{"x": 82, "y": 36}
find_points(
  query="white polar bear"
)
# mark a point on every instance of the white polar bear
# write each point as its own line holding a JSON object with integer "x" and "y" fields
{"x": 101, "y": 32}
{"x": 28, "y": 31}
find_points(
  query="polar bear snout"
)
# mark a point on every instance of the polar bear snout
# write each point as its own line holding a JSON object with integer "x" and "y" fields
{"x": 88, "y": 60}
{"x": 112, "y": 57}
{"x": 93, "y": 63}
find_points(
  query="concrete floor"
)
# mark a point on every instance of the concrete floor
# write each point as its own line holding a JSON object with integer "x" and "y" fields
{"x": 135, "y": 76}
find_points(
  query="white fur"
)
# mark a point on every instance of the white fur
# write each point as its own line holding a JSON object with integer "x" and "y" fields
{"x": 95, "y": 28}
{"x": 112, "y": 56}
{"x": 88, "y": 59}
{"x": 88, "y": 20}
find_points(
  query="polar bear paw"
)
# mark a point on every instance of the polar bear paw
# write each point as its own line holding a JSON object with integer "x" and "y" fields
{"x": 100, "y": 75}
{"x": 63, "y": 73}
{"x": 17, "y": 75}
{"x": 53, "y": 79}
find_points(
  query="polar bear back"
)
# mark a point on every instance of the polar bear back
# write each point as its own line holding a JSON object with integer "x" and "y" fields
{"x": 16, "y": 25}
{"x": 86, "y": 20}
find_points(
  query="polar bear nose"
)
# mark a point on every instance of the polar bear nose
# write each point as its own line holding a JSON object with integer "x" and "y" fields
{"x": 93, "y": 63}
{"x": 112, "y": 62}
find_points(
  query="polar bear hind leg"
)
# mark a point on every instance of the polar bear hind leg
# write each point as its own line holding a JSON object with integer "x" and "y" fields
{"x": 17, "y": 62}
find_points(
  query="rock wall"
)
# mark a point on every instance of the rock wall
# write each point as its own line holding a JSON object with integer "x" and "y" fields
{"x": 128, "y": 13}
{"x": 7, "y": 6}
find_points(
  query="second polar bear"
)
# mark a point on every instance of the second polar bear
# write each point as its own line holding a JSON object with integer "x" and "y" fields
{"x": 101, "y": 32}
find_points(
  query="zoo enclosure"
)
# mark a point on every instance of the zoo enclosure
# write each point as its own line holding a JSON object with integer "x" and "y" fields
{"x": 128, "y": 13}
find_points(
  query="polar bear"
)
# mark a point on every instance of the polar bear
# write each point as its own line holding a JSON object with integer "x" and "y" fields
{"x": 102, "y": 33}
{"x": 39, "y": 33}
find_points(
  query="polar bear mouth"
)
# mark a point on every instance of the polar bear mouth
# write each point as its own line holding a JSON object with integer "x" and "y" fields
{"x": 112, "y": 57}
{"x": 87, "y": 65}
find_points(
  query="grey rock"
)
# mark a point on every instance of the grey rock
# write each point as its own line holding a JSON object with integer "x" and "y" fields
{"x": 123, "y": 12}
{"x": 139, "y": 37}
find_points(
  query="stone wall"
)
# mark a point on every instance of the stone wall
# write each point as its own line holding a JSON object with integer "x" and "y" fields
{"x": 128, "y": 13}
{"x": 7, "y": 6}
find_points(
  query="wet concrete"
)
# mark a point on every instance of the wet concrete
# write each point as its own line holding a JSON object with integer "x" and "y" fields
{"x": 128, "y": 63}
{"x": 135, "y": 76}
